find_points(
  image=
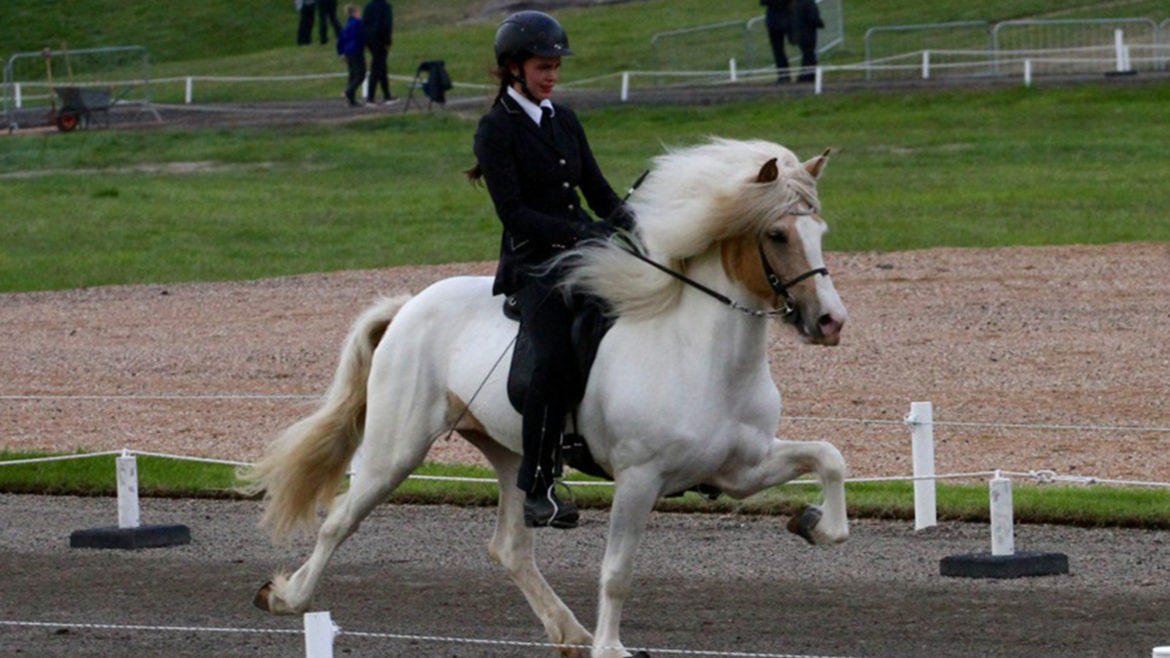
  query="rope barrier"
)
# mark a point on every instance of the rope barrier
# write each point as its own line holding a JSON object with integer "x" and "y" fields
{"x": 147, "y": 627}
{"x": 393, "y": 636}
{"x": 816, "y": 419}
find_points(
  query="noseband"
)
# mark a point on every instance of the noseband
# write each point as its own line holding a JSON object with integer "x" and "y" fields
{"x": 789, "y": 312}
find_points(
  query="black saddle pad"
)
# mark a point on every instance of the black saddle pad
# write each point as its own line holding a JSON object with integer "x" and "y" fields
{"x": 590, "y": 324}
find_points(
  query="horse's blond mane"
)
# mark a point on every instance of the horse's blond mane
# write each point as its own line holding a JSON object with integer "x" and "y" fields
{"x": 692, "y": 199}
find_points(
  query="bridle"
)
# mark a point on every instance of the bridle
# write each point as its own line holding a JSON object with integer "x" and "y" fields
{"x": 788, "y": 313}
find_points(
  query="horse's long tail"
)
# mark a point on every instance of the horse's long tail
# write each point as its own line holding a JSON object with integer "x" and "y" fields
{"x": 302, "y": 468}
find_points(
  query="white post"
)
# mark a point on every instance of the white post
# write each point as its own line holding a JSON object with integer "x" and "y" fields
{"x": 818, "y": 81}
{"x": 1161, "y": 652}
{"x": 366, "y": 86}
{"x": 926, "y": 65}
{"x": 190, "y": 89}
{"x": 1027, "y": 73}
{"x": 127, "y": 471}
{"x": 1002, "y": 537}
{"x": 625, "y": 86}
{"x": 319, "y": 633}
{"x": 921, "y": 421}
{"x": 1119, "y": 48}
{"x": 18, "y": 96}
{"x": 731, "y": 65}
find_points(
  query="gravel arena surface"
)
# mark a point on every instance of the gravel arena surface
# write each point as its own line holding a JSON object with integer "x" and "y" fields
{"x": 703, "y": 583}
{"x": 1061, "y": 336}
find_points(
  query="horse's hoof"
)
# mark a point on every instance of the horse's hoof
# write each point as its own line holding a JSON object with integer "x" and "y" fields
{"x": 261, "y": 598}
{"x": 803, "y": 523}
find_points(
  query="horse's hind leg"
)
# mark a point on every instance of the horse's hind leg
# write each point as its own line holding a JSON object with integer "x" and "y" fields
{"x": 386, "y": 462}
{"x": 512, "y": 547}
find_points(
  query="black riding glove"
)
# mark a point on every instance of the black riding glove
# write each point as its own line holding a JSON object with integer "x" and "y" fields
{"x": 595, "y": 230}
{"x": 623, "y": 218}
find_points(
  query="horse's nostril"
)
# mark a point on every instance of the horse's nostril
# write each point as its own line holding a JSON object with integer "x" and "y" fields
{"x": 829, "y": 325}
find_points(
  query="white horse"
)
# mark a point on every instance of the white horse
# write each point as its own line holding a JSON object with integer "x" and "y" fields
{"x": 680, "y": 394}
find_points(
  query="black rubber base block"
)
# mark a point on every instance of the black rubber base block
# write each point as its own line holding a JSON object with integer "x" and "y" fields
{"x": 146, "y": 536}
{"x": 1018, "y": 565}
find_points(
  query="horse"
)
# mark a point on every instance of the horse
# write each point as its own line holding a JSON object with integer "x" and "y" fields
{"x": 680, "y": 394}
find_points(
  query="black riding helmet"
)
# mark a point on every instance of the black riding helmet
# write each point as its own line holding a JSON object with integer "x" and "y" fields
{"x": 530, "y": 33}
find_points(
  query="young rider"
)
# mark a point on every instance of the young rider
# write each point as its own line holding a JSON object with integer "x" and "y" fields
{"x": 534, "y": 157}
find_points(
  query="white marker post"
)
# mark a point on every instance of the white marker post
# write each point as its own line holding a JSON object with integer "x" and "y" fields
{"x": 319, "y": 633}
{"x": 921, "y": 422}
{"x": 127, "y": 471}
{"x": 1002, "y": 533}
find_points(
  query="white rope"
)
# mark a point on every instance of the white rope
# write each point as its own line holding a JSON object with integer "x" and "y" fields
{"x": 544, "y": 645}
{"x": 389, "y": 636}
{"x": 147, "y": 627}
{"x": 817, "y": 419}
{"x": 174, "y": 396}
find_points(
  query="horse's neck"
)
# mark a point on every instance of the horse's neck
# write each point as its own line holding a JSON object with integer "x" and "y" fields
{"x": 737, "y": 339}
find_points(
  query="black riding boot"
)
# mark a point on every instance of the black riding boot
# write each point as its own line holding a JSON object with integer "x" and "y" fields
{"x": 547, "y": 319}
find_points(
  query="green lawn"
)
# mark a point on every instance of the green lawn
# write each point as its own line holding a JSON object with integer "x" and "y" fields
{"x": 945, "y": 168}
{"x": 1111, "y": 506}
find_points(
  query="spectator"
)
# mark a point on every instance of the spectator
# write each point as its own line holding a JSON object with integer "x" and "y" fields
{"x": 327, "y": 11}
{"x": 778, "y": 19}
{"x": 806, "y": 20}
{"x": 378, "y": 22}
{"x": 350, "y": 45}
{"x": 305, "y": 29}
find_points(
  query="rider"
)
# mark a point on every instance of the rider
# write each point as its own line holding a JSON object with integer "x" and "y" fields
{"x": 533, "y": 155}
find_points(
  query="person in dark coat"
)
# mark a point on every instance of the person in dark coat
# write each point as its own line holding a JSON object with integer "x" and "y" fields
{"x": 378, "y": 23}
{"x": 534, "y": 157}
{"x": 350, "y": 45}
{"x": 778, "y": 20}
{"x": 806, "y": 20}
{"x": 327, "y": 12}
{"x": 307, "y": 9}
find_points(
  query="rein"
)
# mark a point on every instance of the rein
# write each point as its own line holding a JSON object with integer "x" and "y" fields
{"x": 781, "y": 289}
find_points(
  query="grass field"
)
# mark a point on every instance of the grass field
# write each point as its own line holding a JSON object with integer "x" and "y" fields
{"x": 954, "y": 168}
{"x": 1115, "y": 507}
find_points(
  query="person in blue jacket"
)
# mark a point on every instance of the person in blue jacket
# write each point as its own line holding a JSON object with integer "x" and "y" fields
{"x": 351, "y": 46}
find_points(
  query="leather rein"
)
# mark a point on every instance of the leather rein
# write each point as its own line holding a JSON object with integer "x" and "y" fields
{"x": 787, "y": 313}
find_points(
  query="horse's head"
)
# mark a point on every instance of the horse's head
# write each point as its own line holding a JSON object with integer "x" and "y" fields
{"x": 780, "y": 260}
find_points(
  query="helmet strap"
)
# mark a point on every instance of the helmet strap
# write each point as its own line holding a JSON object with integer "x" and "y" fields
{"x": 519, "y": 77}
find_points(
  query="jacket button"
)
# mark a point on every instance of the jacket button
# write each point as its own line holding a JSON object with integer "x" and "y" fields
{"x": 561, "y": 162}
{"x": 565, "y": 185}
{"x": 571, "y": 207}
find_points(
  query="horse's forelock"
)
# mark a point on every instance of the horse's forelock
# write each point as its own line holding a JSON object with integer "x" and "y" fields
{"x": 696, "y": 196}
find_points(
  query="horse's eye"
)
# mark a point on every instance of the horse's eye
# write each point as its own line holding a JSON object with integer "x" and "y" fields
{"x": 777, "y": 236}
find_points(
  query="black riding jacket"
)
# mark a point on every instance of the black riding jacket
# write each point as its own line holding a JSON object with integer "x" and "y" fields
{"x": 533, "y": 180}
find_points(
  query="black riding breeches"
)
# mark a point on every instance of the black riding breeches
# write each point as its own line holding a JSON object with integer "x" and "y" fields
{"x": 548, "y": 322}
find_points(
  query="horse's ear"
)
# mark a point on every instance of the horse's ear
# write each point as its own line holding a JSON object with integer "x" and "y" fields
{"x": 769, "y": 172}
{"x": 815, "y": 166}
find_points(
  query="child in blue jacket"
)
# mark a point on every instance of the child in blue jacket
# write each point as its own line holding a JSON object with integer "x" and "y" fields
{"x": 351, "y": 46}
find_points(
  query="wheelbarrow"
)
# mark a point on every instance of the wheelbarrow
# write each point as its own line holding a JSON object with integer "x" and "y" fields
{"x": 80, "y": 107}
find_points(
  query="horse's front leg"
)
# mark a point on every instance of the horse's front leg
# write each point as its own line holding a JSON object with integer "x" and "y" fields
{"x": 787, "y": 460}
{"x": 634, "y": 496}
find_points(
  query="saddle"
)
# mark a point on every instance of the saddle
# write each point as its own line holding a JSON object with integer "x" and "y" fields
{"x": 589, "y": 326}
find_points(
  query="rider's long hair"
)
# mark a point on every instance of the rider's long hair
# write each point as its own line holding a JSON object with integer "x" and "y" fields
{"x": 504, "y": 74}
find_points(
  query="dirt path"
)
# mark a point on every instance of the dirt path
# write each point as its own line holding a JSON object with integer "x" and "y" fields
{"x": 1064, "y": 336}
